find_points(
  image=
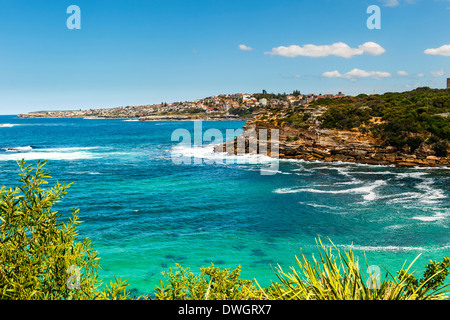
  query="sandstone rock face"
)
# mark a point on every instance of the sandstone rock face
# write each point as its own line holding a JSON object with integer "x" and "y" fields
{"x": 327, "y": 145}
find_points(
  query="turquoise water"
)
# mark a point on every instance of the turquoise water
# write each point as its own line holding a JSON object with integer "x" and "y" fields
{"x": 144, "y": 213}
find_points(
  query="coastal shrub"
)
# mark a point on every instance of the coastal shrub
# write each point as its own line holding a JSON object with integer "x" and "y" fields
{"x": 211, "y": 284}
{"x": 296, "y": 119}
{"x": 414, "y": 142}
{"x": 433, "y": 277}
{"x": 337, "y": 275}
{"x": 345, "y": 117}
{"x": 334, "y": 275}
{"x": 40, "y": 257}
{"x": 440, "y": 148}
{"x": 432, "y": 140}
{"x": 420, "y": 111}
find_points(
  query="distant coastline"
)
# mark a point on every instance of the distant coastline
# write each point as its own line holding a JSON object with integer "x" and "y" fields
{"x": 221, "y": 107}
{"x": 169, "y": 117}
{"x": 408, "y": 129}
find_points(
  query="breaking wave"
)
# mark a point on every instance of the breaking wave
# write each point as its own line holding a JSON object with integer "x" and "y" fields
{"x": 367, "y": 191}
{"x": 30, "y": 153}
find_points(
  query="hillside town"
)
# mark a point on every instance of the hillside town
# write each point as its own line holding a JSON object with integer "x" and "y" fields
{"x": 232, "y": 105}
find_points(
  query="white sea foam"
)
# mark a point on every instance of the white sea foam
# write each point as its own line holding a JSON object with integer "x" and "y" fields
{"x": 49, "y": 156}
{"x": 402, "y": 197}
{"x": 86, "y": 172}
{"x": 395, "y": 227}
{"x": 74, "y": 153}
{"x": 316, "y": 205}
{"x": 19, "y": 149}
{"x": 395, "y": 248}
{"x": 6, "y": 125}
{"x": 373, "y": 172}
{"x": 386, "y": 248}
{"x": 130, "y": 120}
{"x": 352, "y": 182}
{"x": 367, "y": 191}
{"x": 431, "y": 195}
{"x": 431, "y": 168}
{"x": 436, "y": 217}
{"x": 302, "y": 169}
{"x": 70, "y": 149}
{"x": 207, "y": 154}
{"x": 417, "y": 175}
{"x": 340, "y": 170}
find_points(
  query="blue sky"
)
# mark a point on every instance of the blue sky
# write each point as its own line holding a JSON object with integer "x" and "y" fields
{"x": 143, "y": 52}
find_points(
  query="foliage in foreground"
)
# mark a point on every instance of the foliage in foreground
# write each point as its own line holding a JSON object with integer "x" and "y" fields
{"x": 335, "y": 275}
{"x": 41, "y": 258}
{"x": 39, "y": 255}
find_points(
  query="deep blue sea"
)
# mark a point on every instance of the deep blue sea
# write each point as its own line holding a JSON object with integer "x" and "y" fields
{"x": 144, "y": 212}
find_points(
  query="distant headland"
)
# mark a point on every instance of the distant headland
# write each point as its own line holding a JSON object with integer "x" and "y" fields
{"x": 404, "y": 129}
{"x": 220, "y": 107}
{"x": 409, "y": 129}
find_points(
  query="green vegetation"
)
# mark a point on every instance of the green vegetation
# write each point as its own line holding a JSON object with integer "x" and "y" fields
{"x": 241, "y": 111}
{"x": 335, "y": 276}
{"x": 406, "y": 119}
{"x": 343, "y": 116}
{"x": 42, "y": 258}
{"x": 279, "y": 96}
{"x": 37, "y": 249}
{"x": 211, "y": 284}
{"x": 295, "y": 117}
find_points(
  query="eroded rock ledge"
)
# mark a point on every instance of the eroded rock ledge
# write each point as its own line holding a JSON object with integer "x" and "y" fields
{"x": 331, "y": 145}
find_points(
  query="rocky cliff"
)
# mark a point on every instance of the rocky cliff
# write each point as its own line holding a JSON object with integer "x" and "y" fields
{"x": 313, "y": 143}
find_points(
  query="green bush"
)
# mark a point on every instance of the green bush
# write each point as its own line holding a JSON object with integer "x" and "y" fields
{"x": 345, "y": 117}
{"x": 335, "y": 275}
{"x": 211, "y": 284}
{"x": 414, "y": 142}
{"x": 440, "y": 148}
{"x": 39, "y": 255}
{"x": 418, "y": 112}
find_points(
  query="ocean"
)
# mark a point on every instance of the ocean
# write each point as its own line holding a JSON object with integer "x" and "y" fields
{"x": 144, "y": 211}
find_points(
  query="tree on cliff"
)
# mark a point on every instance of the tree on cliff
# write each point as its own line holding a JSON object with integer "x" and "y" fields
{"x": 406, "y": 116}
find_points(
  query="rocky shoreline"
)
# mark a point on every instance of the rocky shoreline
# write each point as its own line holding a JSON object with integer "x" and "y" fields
{"x": 315, "y": 143}
{"x": 146, "y": 118}
{"x": 190, "y": 118}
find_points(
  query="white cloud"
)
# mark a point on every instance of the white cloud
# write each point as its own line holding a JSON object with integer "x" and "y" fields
{"x": 420, "y": 75}
{"x": 402, "y": 73}
{"x": 438, "y": 73}
{"x": 243, "y": 47}
{"x": 390, "y": 3}
{"x": 395, "y": 3}
{"x": 356, "y": 74}
{"x": 338, "y": 49}
{"x": 441, "y": 51}
{"x": 332, "y": 74}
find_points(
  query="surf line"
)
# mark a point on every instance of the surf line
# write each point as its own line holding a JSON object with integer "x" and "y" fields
{"x": 255, "y": 146}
